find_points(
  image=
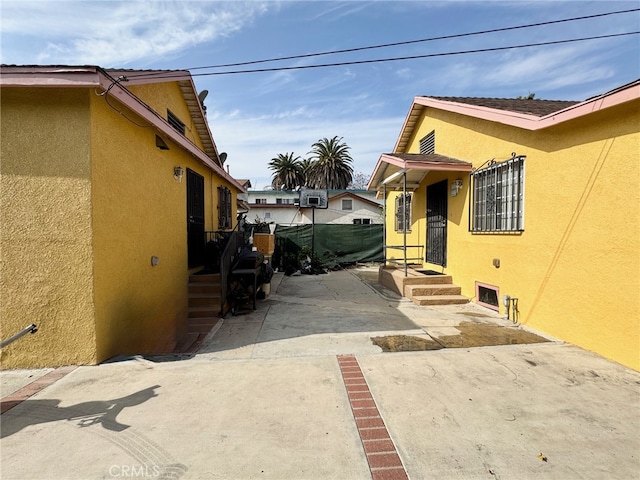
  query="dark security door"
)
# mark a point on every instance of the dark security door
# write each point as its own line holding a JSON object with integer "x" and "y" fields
{"x": 195, "y": 219}
{"x": 437, "y": 223}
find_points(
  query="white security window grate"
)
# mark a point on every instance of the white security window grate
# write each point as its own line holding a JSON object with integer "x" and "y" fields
{"x": 403, "y": 212}
{"x": 498, "y": 197}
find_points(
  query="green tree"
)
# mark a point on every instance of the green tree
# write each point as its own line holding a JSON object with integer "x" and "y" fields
{"x": 331, "y": 167}
{"x": 306, "y": 164}
{"x": 287, "y": 172}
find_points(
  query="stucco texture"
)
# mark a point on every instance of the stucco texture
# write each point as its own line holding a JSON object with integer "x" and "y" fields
{"x": 46, "y": 237}
{"x": 576, "y": 267}
{"x": 87, "y": 201}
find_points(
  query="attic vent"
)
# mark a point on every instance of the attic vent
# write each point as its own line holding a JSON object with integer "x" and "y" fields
{"x": 428, "y": 143}
{"x": 175, "y": 122}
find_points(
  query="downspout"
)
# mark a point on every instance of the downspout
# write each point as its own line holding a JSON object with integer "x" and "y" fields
{"x": 404, "y": 219}
{"x": 384, "y": 224}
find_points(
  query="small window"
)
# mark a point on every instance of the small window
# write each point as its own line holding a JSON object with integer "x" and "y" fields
{"x": 347, "y": 204}
{"x": 284, "y": 201}
{"x": 498, "y": 197}
{"x": 362, "y": 221}
{"x": 428, "y": 143}
{"x": 261, "y": 201}
{"x": 403, "y": 213}
{"x": 175, "y": 122}
{"x": 267, "y": 215}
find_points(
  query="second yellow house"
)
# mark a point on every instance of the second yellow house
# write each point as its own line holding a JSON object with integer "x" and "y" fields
{"x": 531, "y": 206}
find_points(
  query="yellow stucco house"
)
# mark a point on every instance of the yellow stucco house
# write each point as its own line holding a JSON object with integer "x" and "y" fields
{"x": 109, "y": 180}
{"x": 532, "y": 207}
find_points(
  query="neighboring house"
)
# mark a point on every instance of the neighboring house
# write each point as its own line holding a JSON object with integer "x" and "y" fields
{"x": 344, "y": 207}
{"x": 531, "y": 199}
{"x": 243, "y": 198}
{"x": 109, "y": 181}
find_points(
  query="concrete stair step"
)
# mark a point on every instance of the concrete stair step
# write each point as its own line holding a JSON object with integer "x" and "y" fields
{"x": 204, "y": 300}
{"x": 440, "y": 300}
{"x": 200, "y": 287}
{"x": 208, "y": 278}
{"x": 431, "y": 279}
{"x": 411, "y": 291}
{"x": 204, "y": 311}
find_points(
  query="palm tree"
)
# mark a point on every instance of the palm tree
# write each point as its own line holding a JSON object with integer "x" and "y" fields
{"x": 331, "y": 164}
{"x": 306, "y": 164}
{"x": 287, "y": 172}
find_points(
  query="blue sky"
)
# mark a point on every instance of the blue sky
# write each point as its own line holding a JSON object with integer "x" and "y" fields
{"x": 256, "y": 116}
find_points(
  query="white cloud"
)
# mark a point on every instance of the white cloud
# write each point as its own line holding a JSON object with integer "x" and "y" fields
{"x": 117, "y": 33}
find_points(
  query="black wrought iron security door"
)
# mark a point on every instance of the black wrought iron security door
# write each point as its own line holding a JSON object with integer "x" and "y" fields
{"x": 437, "y": 223}
{"x": 195, "y": 219}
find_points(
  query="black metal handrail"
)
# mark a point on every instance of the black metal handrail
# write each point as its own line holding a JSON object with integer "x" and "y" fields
{"x": 230, "y": 245}
{"x": 30, "y": 329}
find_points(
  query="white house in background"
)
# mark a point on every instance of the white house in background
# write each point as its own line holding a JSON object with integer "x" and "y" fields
{"x": 344, "y": 206}
{"x": 243, "y": 198}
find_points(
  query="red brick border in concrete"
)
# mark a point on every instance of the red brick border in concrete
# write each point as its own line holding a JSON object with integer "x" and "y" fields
{"x": 384, "y": 461}
{"x": 19, "y": 396}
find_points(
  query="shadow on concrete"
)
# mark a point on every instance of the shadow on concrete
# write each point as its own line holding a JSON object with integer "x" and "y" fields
{"x": 86, "y": 414}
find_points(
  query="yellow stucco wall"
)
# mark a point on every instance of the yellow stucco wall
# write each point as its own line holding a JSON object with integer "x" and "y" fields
{"x": 45, "y": 228}
{"x": 140, "y": 212}
{"x": 576, "y": 267}
{"x": 87, "y": 201}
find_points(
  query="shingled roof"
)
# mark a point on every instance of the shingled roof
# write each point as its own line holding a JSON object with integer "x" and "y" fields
{"x": 539, "y": 108}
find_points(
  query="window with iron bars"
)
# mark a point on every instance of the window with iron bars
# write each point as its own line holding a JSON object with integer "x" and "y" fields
{"x": 224, "y": 208}
{"x": 498, "y": 197}
{"x": 403, "y": 212}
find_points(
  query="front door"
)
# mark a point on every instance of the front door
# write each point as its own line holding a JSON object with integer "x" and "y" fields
{"x": 195, "y": 219}
{"x": 437, "y": 223}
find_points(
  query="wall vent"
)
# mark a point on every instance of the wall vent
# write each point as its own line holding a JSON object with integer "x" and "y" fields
{"x": 488, "y": 296}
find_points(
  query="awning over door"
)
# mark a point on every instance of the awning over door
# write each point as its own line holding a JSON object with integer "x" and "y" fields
{"x": 392, "y": 168}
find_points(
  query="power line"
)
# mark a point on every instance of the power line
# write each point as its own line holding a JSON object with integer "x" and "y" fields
{"x": 392, "y": 59}
{"x": 409, "y": 42}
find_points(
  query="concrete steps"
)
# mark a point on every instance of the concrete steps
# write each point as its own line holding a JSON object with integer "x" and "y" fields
{"x": 422, "y": 289}
{"x": 204, "y": 310}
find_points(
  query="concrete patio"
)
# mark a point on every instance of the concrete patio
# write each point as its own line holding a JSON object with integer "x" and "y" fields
{"x": 296, "y": 389}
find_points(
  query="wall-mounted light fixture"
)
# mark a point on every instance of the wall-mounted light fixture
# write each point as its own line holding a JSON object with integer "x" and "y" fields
{"x": 161, "y": 144}
{"x": 178, "y": 173}
{"x": 456, "y": 186}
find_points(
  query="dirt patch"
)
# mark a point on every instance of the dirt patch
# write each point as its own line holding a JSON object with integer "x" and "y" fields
{"x": 474, "y": 334}
{"x": 405, "y": 343}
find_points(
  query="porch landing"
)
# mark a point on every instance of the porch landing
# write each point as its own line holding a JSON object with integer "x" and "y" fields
{"x": 420, "y": 288}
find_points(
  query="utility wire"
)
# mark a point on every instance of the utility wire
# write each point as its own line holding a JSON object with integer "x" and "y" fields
{"x": 170, "y": 74}
{"x": 409, "y": 42}
{"x": 385, "y": 45}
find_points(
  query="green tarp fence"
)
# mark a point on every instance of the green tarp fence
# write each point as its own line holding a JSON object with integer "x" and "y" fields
{"x": 332, "y": 244}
